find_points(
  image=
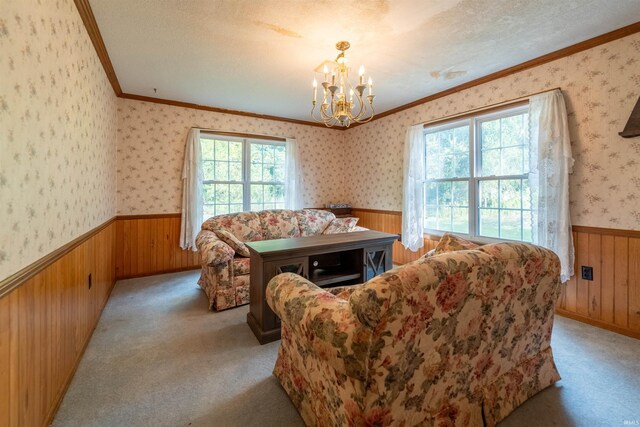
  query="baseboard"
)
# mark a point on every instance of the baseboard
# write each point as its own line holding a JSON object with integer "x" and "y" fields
{"x": 598, "y": 323}
{"x": 155, "y": 273}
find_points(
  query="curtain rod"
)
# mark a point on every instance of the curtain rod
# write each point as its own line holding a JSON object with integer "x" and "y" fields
{"x": 486, "y": 107}
{"x": 242, "y": 134}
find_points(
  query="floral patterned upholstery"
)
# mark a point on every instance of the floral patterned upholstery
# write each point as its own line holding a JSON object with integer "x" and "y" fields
{"x": 246, "y": 226}
{"x": 313, "y": 221}
{"x": 450, "y": 242}
{"x": 225, "y": 273}
{"x": 458, "y": 339}
{"x": 279, "y": 224}
{"x": 341, "y": 225}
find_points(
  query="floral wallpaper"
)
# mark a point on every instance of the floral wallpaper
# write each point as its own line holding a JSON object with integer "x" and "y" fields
{"x": 151, "y": 139}
{"x": 600, "y": 85}
{"x": 57, "y": 132}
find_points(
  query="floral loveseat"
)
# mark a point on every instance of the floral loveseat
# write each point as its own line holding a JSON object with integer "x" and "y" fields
{"x": 461, "y": 338}
{"x": 225, "y": 258}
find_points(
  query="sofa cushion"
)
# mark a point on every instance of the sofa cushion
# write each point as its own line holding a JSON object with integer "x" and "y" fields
{"x": 246, "y": 226}
{"x": 313, "y": 221}
{"x": 241, "y": 266}
{"x": 341, "y": 225}
{"x": 231, "y": 240}
{"x": 450, "y": 243}
{"x": 279, "y": 224}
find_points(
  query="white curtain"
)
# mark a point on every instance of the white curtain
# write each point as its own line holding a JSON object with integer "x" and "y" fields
{"x": 294, "y": 183}
{"x": 191, "y": 191}
{"x": 413, "y": 192}
{"x": 550, "y": 165}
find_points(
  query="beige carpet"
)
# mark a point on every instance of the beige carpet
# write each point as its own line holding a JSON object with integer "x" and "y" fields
{"x": 159, "y": 358}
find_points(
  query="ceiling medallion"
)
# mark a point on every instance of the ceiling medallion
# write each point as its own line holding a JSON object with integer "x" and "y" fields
{"x": 338, "y": 107}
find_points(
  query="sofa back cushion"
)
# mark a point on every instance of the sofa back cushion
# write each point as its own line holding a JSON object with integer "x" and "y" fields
{"x": 313, "y": 221}
{"x": 484, "y": 311}
{"x": 246, "y": 226}
{"x": 279, "y": 224}
{"x": 450, "y": 243}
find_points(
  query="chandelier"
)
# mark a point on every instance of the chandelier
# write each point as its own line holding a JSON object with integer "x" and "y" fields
{"x": 338, "y": 106}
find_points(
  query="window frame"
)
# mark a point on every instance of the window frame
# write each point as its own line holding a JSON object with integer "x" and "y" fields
{"x": 474, "y": 121}
{"x": 246, "y": 181}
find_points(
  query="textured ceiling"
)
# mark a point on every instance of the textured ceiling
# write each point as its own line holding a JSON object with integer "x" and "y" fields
{"x": 259, "y": 55}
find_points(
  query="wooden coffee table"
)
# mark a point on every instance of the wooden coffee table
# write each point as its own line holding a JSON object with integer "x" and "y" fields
{"x": 326, "y": 260}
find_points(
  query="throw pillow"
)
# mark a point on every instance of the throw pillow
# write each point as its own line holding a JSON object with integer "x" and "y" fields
{"x": 450, "y": 243}
{"x": 231, "y": 240}
{"x": 341, "y": 225}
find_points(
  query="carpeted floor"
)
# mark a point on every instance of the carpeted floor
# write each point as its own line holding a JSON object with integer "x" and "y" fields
{"x": 158, "y": 357}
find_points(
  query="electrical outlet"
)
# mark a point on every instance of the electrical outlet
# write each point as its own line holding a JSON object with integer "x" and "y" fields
{"x": 89, "y": 281}
{"x": 587, "y": 272}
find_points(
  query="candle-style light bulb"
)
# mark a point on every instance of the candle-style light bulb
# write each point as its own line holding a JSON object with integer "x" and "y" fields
{"x": 370, "y": 86}
{"x": 326, "y": 72}
{"x": 361, "y": 73}
{"x": 315, "y": 89}
{"x": 350, "y": 95}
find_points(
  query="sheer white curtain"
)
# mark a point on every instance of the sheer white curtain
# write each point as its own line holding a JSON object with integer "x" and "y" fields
{"x": 413, "y": 191}
{"x": 191, "y": 191}
{"x": 293, "y": 181}
{"x": 551, "y": 163}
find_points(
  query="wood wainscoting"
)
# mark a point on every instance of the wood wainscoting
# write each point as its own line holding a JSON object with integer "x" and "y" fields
{"x": 47, "y": 316}
{"x": 149, "y": 244}
{"x": 611, "y": 300}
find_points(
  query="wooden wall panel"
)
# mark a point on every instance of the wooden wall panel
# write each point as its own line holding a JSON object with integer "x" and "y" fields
{"x": 149, "y": 244}
{"x": 45, "y": 324}
{"x": 611, "y": 300}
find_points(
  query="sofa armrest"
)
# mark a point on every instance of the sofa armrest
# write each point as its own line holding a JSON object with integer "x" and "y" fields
{"x": 321, "y": 322}
{"x": 212, "y": 250}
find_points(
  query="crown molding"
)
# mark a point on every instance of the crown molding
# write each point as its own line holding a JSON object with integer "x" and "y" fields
{"x": 84, "y": 8}
{"x": 555, "y": 55}
{"x": 220, "y": 110}
{"x": 89, "y": 20}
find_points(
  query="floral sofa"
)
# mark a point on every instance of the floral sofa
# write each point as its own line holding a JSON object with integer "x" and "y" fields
{"x": 455, "y": 339}
{"x": 225, "y": 258}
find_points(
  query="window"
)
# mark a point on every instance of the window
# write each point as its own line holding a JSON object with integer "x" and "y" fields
{"x": 241, "y": 174}
{"x": 476, "y": 176}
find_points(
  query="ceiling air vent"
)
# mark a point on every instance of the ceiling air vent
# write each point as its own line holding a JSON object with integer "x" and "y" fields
{"x": 633, "y": 125}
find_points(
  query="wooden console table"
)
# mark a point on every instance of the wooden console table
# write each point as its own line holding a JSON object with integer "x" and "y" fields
{"x": 326, "y": 260}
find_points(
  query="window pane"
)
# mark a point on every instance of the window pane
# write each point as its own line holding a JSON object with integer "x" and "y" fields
{"x": 460, "y": 220}
{"x": 510, "y": 194}
{"x": 208, "y": 211}
{"x": 256, "y": 194}
{"x": 279, "y": 172}
{"x": 431, "y": 193}
{"x": 511, "y": 131}
{"x": 526, "y": 194}
{"x": 256, "y": 171}
{"x": 447, "y": 153}
{"x": 512, "y": 161}
{"x": 235, "y": 193}
{"x": 444, "y": 193}
{"x": 444, "y": 218}
{"x": 221, "y": 171}
{"x": 222, "y": 150}
{"x": 510, "y": 227}
{"x": 490, "y": 160}
{"x": 207, "y": 148}
{"x": 461, "y": 165}
{"x": 431, "y": 220}
{"x": 235, "y": 151}
{"x": 489, "y": 194}
{"x": 526, "y": 226}
{"x": 461, "y": 139}
{"x": 209, "y": 194}
{"x": 488, "y": 221}
{"x": 268, "y": 173}
{"x": 208, "y": 170}
{"x": 222, "y": 194}
{"x": 490, "y": 134}
{"x": 460, "y": 194}
{"x": 235, "y": 171}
